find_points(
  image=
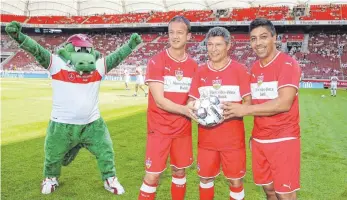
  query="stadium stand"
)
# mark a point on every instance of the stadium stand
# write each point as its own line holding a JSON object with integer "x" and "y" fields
{"x": 319, "y": 62}
{"x": 315, "y": 12}
{"x": 56, "y": 20}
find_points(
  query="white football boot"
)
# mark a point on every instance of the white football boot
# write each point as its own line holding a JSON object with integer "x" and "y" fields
{"x": 49, "y": 185}
{"x": 111, "y": 184}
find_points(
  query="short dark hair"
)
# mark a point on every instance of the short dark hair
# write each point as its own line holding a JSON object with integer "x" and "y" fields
{"x": 262, "y": 22}
{"x": 179, "y": 18}
{"x": 219, "y": 31}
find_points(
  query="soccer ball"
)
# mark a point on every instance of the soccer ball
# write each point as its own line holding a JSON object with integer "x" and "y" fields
{"x": 208, "y": 111}
{"x": 323, "y": 96}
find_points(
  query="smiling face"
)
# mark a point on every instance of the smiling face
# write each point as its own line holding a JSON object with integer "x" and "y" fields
{"x": 217, "y": 49}
{"x": 178, "y": 34}
{"x": 262, "y": 42}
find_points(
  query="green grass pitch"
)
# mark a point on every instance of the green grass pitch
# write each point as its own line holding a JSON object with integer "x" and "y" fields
{"x": 25, "y": 110}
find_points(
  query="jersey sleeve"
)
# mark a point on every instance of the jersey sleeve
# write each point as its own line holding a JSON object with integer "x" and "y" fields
{"x": 289, "y": 74}
{"x": 155, "y": 71}
{"x": 101, "y": 66}
{"x": 56, "y": 64}
{"x": 244, "y": 81}
{"x": 194, "y": 87}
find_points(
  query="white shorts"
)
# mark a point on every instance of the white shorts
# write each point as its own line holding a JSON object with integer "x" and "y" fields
{"x": 126, "y": 79}
{"x": 333, "y": 86}
{"x": 140, "y": 80}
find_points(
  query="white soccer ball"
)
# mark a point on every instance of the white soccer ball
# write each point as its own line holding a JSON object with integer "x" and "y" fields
{"x": 208, "y": 111}
{"x": 323, "y": 96}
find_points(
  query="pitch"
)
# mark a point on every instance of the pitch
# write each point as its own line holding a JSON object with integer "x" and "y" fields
{"x": 26, "y": 107}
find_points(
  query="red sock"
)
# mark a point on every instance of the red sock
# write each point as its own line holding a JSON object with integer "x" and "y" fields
{"x": 237, "y": 193}
{"x": 178, "y": 187}
{"x": 147, "y": 191}
{"x": 206, "y": 191}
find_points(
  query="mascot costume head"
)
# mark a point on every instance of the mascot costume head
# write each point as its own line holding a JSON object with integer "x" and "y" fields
{"x": 79, "y": 52}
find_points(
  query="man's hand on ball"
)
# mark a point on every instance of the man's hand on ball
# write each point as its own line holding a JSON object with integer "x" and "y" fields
{"x": 189, "y": 111}
{"x": 231, "y": 110}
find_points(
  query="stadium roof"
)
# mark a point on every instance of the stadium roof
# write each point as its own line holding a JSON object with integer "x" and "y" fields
{"x": 91, "y": 7}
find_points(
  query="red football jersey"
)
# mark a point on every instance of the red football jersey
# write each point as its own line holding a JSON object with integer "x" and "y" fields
{"x": 231, "y": 83}
{"x": 176, "y": 77}
{"x": 282, "y": 71}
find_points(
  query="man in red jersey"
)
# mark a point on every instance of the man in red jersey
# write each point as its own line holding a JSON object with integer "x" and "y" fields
{"x": 169, "y": 130}
{"x": 275, "y": 138}
{"x": 224, "y": 144}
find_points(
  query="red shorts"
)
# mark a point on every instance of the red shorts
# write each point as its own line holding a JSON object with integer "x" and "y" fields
{"x": 233, "y": 163}
{"x": 159, "y": 147}
{"x": 277, "y": 163}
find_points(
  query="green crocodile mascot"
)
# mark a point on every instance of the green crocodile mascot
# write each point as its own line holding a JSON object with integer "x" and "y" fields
{"x": 76, "y": 70}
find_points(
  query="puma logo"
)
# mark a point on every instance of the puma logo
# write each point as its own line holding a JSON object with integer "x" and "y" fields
{"x": 168, "y": 68}
{"x": 203, "y": 79}
{"x": 288, "y": 63}
{"x": 287, "y": 186}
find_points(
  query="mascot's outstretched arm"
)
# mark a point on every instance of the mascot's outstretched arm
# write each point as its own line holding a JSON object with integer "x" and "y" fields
{"x": 42, "y": 55}
{"x": 116, "y": 57}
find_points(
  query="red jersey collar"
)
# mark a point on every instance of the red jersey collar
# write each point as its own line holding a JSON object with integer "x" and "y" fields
{"x": 172, "y": 58}
{"x": 219, "y": 70}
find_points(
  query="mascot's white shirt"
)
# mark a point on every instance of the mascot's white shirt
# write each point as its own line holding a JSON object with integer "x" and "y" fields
{"x": 75, "y": 97}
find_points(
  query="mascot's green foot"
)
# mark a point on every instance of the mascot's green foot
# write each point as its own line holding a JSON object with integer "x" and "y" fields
{"x": 71, "y": 155}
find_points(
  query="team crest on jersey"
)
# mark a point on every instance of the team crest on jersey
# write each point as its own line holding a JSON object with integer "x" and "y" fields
{"x": 217, "y": 83}
{"x": 148, "y": 163}
{"x": 260, "y": 79}
{"x": 71, "y": 76}
{"x": 179, "y": 74}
